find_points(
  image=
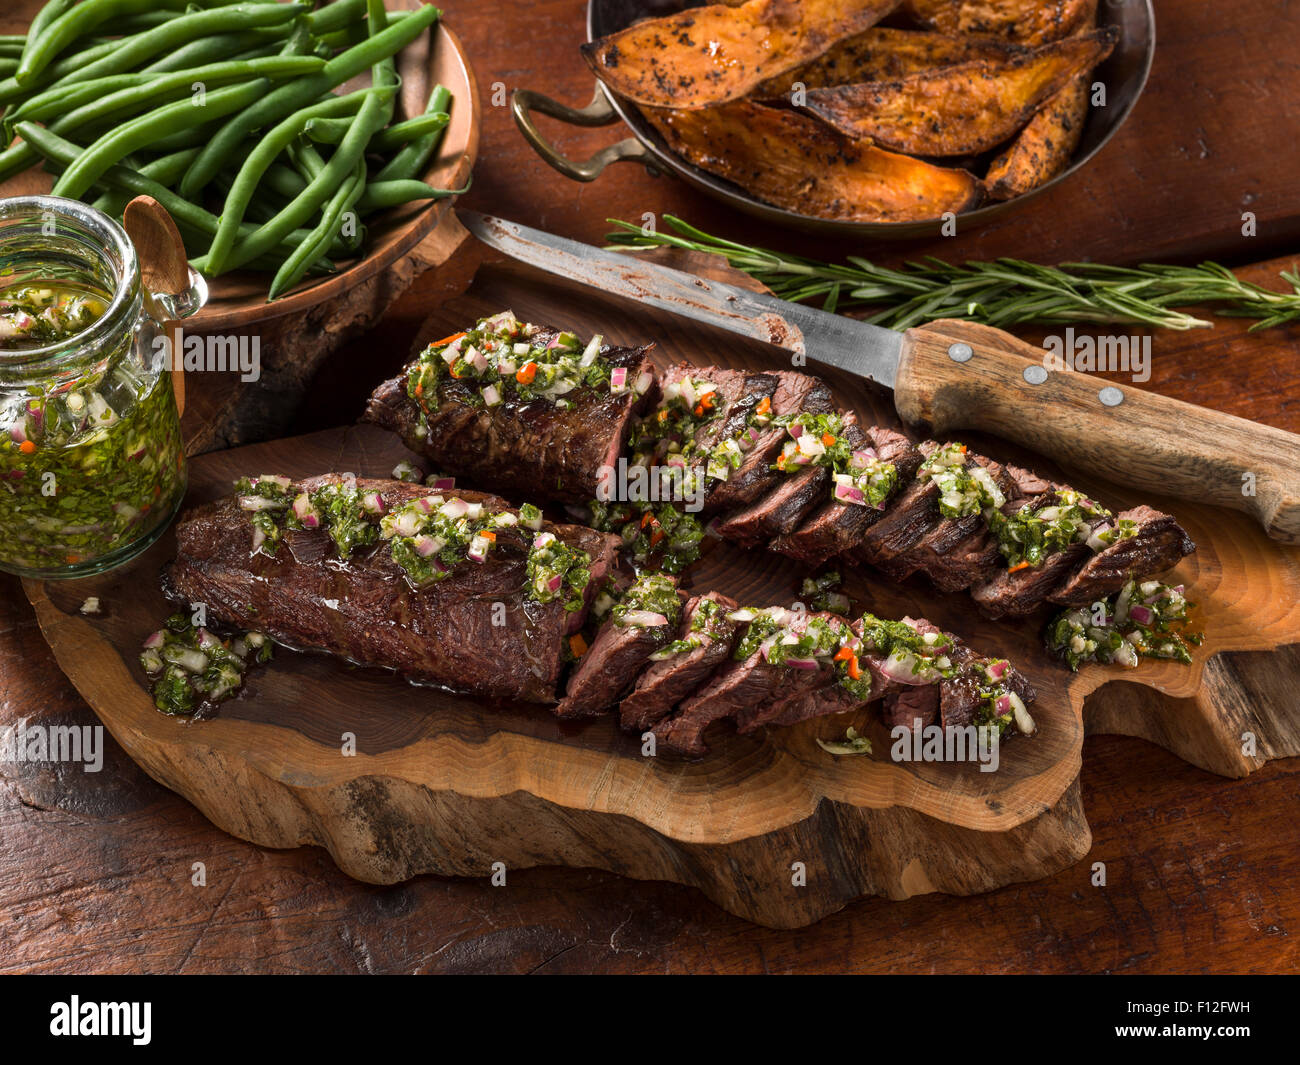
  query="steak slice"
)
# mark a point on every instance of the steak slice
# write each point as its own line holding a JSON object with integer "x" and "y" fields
{"x": 799, "y": 685}
{"x": 533, "y": 448}
{"x": 780, "y": 511}
{"x": 1022, "y": 592}
{"x": 365, "y": 610}
{"x": 736, "y": 685}
{"x": 1159, "y": 544}
{"x": 912, "y": 514}
{"x": 965, "y": 541}
{"x": 661, "y": 687}
{"x": 835, "y": 526}
{"x": 610, "y": 666}
{"x": 824, "y": 701}
{"x": 911, "y": 703}
{"x": 792, "y": 393}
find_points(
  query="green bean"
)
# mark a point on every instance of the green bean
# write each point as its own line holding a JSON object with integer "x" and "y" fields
{"x": 7, "y": 67}
{"x": 167, "y": 169}
{"x": 76, "y": 22}
{"x": 48, "y": 14}
{"x": 288, "y": 98}
{"x": 219, "y": 46}
{"x": 185, "y": 29}
{"x": 315, "y": 246}
{"x": 335, "y": 16}
{"x": 128, "y": 93}
{"x": 61, "y": 153}
{"x": 382, "y": 194}
{"x": 283, "y": 181}
{"x": 414, "y": 158}
{"x": 10, "y": 90}
{"x": 271, "y": 145}
{"x": 140, "y": 131}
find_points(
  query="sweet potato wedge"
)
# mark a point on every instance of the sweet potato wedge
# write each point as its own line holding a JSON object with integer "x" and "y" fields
{"x": 1044, "y": 147}
{"x": 709, "y": 55}
{"x": 886, "y": 54}
{"x": 1032, "y": 21}
{"x": 963, "y": 109}
{"x": 793, "y": 161}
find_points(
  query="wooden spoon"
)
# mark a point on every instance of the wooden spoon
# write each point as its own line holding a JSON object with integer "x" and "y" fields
{"x": 164, "y": 269}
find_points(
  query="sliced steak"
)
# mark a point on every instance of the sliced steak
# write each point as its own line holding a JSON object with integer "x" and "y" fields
{"x": 826, "y": 700}
{"x": 799, "y": 685}
{"x": 367, "y": 612}
{"x": 791, "y": 393}
{"x": 664, "y": 684}
{"x": 780, "y": 511}
{"x": 911, "y": 703}
{"x": 532, "y": 449}
{"x": 735, "y": 686}
{"x": 1159, "y": 544}
{"x": 610, "y": 666}
{"x": 910, "y": 516}
{"x": 956, "y": 552}
{"x": 1026, "y": 484}
{"x": 834, "y": 527}
{"x": 1024, "y": 591}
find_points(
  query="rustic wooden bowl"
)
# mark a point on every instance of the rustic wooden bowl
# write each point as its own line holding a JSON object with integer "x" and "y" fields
{"x": 238, "y": 300}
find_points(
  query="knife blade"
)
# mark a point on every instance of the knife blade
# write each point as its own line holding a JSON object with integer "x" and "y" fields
{"x": 868, "y": 351}
{"x": 953, "y": 375}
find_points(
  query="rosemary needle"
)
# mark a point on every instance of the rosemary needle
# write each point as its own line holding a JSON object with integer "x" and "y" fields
{"x": 1000, "y": 293}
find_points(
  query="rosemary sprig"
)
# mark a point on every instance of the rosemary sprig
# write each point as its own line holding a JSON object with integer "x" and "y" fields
{"x": 1001, "y": 293}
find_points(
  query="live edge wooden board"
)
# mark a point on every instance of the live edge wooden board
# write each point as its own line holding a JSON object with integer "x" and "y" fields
{"x": 445, "y": 784}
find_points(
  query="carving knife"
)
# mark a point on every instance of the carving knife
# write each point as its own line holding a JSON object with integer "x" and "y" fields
{"x": 952, "y": 375}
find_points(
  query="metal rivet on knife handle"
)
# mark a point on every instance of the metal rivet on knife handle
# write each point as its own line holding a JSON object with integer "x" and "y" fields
{"x": 1111, "y": 396}
{"x": 960, "y": 352}
{"x": 1035, "y": 375}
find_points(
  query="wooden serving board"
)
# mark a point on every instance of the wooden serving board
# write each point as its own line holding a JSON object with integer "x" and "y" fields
{"x": 447, "y": 784}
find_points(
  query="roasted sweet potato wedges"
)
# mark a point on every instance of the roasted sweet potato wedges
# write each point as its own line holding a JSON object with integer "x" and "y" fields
{"x": 964, "y": 109}
{"x": 886, "y": 54}
{"x": 1044, "y": 147}
{"x": 1032, "y": 21}
{"x": 709, "y": 55}
{"x": 796, "y": 162}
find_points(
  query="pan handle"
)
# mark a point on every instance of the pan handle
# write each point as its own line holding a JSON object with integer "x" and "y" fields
{"x": 599, "y": 112}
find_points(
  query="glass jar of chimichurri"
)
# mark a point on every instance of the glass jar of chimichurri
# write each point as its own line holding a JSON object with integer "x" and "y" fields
{"x": 92, "y": 466}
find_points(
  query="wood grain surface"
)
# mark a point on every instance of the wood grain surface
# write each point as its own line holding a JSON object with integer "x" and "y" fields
{"x": 95, "y": 869}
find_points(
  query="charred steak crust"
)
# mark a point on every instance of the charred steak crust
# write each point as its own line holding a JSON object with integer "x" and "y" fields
{"x": 665, "y": 684}
{"x": 609, "y": 667}
{"x": 364, "y": 609}
{"x": 525, "y": 448}
{"x": 1158, "y": 546}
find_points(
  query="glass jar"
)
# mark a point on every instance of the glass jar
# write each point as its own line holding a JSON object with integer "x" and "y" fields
{"x": 92, "y": 464}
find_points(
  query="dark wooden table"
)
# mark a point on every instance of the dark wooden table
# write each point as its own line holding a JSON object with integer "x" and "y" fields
{"x": 96, "y": 869}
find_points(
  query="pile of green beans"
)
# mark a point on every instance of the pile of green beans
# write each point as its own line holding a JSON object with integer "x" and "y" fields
{"x": 228, "y": 112}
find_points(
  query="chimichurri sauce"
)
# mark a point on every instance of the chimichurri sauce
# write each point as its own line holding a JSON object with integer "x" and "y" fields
{"x": 87, "y": 469}
{"x": 36, "y": 315}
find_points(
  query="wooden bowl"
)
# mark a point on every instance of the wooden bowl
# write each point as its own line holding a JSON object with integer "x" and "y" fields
{"x": 238, "y": 300}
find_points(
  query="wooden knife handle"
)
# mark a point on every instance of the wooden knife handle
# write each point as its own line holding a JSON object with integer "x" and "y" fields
{"x": 958, "y": 375}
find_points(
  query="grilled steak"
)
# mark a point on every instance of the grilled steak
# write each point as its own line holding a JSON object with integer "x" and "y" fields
{"x": 530, "y": 448}
{"x": 965, "y": 540}
{"x": 610, "y": 666}
{"x": 778, "y": 512}
{"x": 912, "y": 514}
{"x": 735, "y": 686}
{"x": 665, "y": 684}
{"x": 1022, "y": 592}
{"x": 365, "y": 610}
{"x": 792, "y": 393}
{"x": 839, "y": 527}
{"x": 1159, "y": 544}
